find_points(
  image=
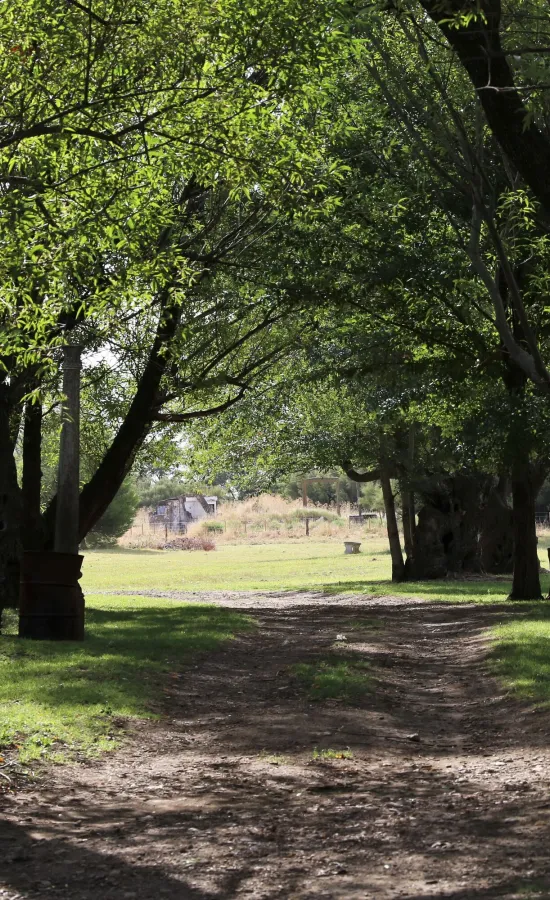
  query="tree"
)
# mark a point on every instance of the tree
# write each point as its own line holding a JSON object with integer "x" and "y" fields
{"x": 414, "y": 124}
{"x": 121, "y": 204}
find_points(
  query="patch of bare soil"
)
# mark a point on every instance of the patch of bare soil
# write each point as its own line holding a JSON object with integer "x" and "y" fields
{"x": 447, "y": 794}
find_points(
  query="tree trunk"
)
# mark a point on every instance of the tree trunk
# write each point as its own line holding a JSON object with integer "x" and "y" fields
{"x": 496, "y": 540}
{"x": 525, "y": 486}
{"x": 446, "y": 538}
{"x": 10, "y": 511}
{"x": 408, "y": 518}
{"x": 32, "y": 477}
{"x": 477, "y": 43}
{"x": 397, "y": 564}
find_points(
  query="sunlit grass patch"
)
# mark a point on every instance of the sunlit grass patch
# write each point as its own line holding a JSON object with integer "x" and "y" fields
{"x": 338, "y": 677}
{"x": 271, "y": 566}
{"x": 521, "y": 654}
{"x": 58, "y": 698}
{"x": 310, "y": 565}
{"x": 332, "y": 754}
{"x": 274, "y": 759}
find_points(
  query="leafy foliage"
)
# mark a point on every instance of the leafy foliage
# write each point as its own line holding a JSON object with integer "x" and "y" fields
{"x": 118, "y": 517}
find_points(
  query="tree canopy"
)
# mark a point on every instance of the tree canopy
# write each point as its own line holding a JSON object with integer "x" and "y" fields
{"x": 324, "y": 225}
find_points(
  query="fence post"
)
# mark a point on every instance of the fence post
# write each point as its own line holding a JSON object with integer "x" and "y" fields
{"x": 307, "y": 526}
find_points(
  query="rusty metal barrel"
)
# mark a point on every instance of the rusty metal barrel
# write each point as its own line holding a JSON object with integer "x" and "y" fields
{"x": 51, "y": 606}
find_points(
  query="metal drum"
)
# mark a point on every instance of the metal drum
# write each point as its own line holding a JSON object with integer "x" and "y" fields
{"x": 51, "y": 604}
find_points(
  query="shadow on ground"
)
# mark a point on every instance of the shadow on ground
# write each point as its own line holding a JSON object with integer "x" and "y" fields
{"x": 478, "y": 590}
{"x": 443, "y": 795}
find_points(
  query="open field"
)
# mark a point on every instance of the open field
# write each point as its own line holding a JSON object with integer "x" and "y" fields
{"x": 286, "y": 565}
{"x": 290, "y": 565}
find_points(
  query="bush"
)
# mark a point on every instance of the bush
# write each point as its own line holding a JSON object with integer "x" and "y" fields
{"x": 213, "y": 527}
{"x": 116, "y": 519}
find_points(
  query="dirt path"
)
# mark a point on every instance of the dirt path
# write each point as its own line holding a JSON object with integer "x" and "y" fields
{"x": 447, "y": 794}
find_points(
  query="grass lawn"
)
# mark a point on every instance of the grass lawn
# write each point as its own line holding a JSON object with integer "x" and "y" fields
{"x": 339, "y": 677}
{"x": 237, "y": 567}
{"x": 285, "y": 566}
{"x": 61, "y": 698}
{"x": 521, "y": 654}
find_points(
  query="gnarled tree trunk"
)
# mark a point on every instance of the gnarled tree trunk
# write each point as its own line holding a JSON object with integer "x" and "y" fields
{"x": 496, "y": 540}
{"x": 408, "y": 518}
{"x": 446, "y": 537}
{"x": 32, "y": 536}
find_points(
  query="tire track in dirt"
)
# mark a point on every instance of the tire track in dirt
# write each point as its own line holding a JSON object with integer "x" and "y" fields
{"x": 447, "y": 793}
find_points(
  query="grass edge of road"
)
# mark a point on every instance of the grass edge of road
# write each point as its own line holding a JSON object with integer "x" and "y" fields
{"x": 63, "y": 700}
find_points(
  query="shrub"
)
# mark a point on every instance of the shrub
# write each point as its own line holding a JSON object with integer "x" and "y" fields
{"x": 213, "y": 527}
{"x": 117, "y": 518}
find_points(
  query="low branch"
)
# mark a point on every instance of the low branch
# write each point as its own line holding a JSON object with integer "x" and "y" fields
{"x": 359, "y": 476}
{"x": 199, "y": 413}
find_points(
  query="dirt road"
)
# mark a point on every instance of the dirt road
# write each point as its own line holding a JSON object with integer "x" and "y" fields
{"x": 446, "y": 793}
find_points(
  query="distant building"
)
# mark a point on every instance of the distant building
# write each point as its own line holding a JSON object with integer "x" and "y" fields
{"x": 177, "y": 512}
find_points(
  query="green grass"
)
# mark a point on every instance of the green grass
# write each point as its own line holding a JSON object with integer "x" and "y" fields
{"x": 521, "y": 653}
{"x": 274, "y": 759}
{"x": 338, "y": 677}
{"x": 451, "y": 591}
{"x": 332, "y": 754}
{"x": 238, "y": 567}
{"x": 369, "y": 624}
{"x": 286, "y": 566}
{"x": 58, "y": 698}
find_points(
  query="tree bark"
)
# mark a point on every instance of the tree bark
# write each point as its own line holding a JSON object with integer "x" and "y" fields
{"x": 408, "y": 519}
{"x": 68, "y": 473}
{"x": 525, "y": 486}
{"x": 32, "y": 536}
{"x": 10, "y": 511}
{"x": 397, "y": 564}
{"x": 446, "y": 538}
{"x": 496, "y": 540}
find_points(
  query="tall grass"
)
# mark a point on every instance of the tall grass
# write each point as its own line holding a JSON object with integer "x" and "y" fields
{"x": 268, "y": 517}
